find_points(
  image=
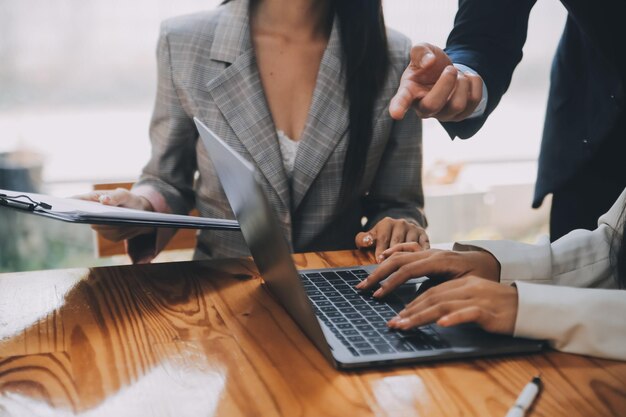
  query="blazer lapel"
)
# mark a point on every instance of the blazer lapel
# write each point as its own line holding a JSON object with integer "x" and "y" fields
{"x": 327, "y": 120}
{"x": 238, "y": 93}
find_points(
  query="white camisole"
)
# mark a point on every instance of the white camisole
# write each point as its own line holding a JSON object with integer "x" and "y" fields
{"x": 288, "y": 149}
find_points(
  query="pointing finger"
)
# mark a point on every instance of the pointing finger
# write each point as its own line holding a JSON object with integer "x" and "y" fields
{"x": 408, "y": 92}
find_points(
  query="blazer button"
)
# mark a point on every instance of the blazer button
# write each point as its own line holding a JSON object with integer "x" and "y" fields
{"x": 585, "y": 141}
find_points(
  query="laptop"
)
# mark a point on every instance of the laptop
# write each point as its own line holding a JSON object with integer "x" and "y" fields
{"x": 348, "y": 327}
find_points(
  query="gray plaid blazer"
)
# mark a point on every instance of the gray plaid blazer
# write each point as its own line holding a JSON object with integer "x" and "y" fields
{"x": 207, "y": 69}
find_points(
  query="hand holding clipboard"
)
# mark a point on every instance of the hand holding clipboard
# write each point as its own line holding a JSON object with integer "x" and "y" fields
{"x": 88, "y": 212}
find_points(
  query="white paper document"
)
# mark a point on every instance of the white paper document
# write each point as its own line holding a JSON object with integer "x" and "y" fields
{"x": 80, "y": 211}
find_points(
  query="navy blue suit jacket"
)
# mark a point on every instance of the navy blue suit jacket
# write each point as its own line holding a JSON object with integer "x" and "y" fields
{"x": 586, "y": 100}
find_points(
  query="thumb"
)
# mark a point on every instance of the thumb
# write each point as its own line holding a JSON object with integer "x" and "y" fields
{"x": 364, "y": 240}
{"x": 118, "y": 197}
{"x": 422, "y": 56}
{"x": 428, "y": 62}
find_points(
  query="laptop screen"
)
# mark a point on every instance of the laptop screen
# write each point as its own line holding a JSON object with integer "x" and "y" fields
{"x": 262, "y": 232}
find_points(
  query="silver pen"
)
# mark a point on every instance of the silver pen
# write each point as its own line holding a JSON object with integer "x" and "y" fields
{"x": 526, "y": 398}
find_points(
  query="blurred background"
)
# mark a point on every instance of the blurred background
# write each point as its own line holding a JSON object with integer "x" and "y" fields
{"x": 77, "y": 84}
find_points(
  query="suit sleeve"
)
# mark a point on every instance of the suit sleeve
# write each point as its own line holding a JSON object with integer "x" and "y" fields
{"x": 580, "y": 310}
{"x": 488, "y": 36}
{"x": 167, "y": 179}
{"x": 173, "y": 137}
{"x": 396, "y": 191}
{"x": 586, "y": 321}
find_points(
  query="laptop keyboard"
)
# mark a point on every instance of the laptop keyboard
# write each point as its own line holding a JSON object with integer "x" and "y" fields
{"x": 358, "y": 320}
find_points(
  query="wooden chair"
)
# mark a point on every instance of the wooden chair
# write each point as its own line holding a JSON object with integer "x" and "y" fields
{"x": 183, "y": 239}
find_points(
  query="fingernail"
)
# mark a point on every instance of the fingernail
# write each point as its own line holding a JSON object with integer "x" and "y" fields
{"x": 361, "y": 284}
{"x": 396, "y": 318}
{"x": 403, "y": 322}
{"x": 397, "y": 108}
{"x": 378, "y": 292}
{"x": 104, "y": 198}
{"x": 380, "y": 258}
{"x": 368, "y": 240}
{"x": 427, "y": 59}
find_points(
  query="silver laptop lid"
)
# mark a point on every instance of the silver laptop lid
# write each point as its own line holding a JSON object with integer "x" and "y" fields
{"x": 262, "y": 233}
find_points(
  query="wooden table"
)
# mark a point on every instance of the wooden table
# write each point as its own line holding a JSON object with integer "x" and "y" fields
{"x": 206, "y": 338}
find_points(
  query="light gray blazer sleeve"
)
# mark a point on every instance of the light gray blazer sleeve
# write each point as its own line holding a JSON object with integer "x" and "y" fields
{"x": 396, "y": 191}
{"x": 172, "y": 164}
{"x": 581, "y": 311}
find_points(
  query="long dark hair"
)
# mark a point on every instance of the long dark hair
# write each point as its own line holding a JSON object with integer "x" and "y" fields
{"x": 364, "y": 44}
{"x": 618, "y": 249}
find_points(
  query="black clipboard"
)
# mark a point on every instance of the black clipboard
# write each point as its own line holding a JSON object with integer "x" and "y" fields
{"x": 88, "y": 212}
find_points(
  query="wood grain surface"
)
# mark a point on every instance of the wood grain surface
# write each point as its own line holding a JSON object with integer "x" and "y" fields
{"x": 207, "y": 339}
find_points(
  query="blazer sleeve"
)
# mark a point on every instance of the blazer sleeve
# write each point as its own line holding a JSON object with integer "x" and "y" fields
{"x": 488, "y": 36}
{"x": 580, "y": 311}
{"x": 173, "y": 137}
{"x": 167, "y": 179}
{"x": 396, "y": 190}
{"x": 586, "y": 321}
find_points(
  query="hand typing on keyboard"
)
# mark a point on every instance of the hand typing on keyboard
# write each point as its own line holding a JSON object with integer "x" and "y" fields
{"x": 439, "y": 264}
{"x": 466, "y": 294}
{"x": 359, "y": 321}
{"x": 491, "y": 305}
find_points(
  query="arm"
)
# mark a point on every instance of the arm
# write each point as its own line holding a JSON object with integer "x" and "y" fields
{"x": 173, "y": 137}
{"x": 579, "y": 313}
{"x": 488, "y": 37}
{"x": 396, "y": 191}
{"x": 484, "y": 46}
{"x": 167, "y": 179}
{"x": 166, "y": 183}
{"x": 582, "y": 259}
{"x": 394, "y": 203}
{"x": 579, "y": 259}
{"x": 576, "y": 320}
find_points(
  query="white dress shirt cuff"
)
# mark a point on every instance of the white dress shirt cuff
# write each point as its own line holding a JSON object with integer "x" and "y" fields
{"x": 482, "y": 106}
{"x": 585, "y": 321}
{"x": 537, "y": 311}
{"x": 518, "y": 261}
